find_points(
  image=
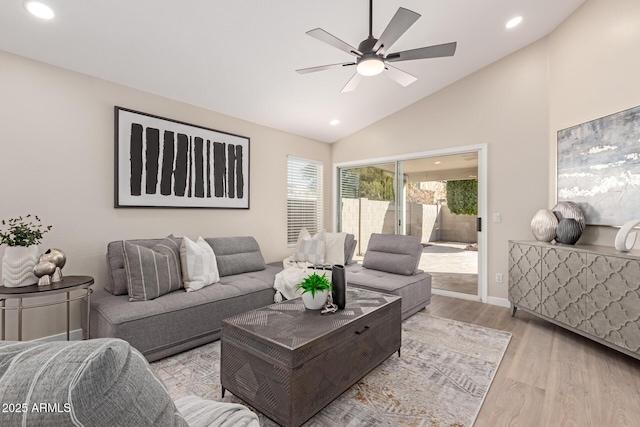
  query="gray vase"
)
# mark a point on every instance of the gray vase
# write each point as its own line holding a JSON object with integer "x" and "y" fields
{"x": 568, "y": 231}
{"x": 543, "y": 225}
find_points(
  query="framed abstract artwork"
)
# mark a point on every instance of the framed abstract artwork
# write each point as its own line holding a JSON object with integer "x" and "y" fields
{"x": 165, "y": 163}
{"x": 599, "y": 168}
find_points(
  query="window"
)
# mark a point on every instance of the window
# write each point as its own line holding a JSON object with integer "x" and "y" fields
{"x": 304, "y": 197}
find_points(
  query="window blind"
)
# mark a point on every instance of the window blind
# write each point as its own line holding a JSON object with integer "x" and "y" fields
{"x": 304, "y": 197}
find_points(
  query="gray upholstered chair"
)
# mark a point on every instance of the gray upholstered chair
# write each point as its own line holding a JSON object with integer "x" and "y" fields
{"x": 390, "y": 265}
{"x": 101, "y": 382}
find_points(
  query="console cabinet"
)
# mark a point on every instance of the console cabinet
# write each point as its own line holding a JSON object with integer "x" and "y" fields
{"x": 591, "y": 290}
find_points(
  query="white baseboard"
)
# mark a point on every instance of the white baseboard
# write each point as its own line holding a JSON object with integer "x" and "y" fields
{"x": 460, "y": 295}
{"x": 75, "y": 335}
{"x": 502, "y": 302}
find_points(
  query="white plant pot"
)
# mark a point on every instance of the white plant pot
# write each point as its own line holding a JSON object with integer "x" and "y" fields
{"x": 17, "y": 266}
{"x": 317, "y": 302}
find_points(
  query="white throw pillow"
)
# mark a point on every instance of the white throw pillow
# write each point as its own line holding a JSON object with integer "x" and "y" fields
{"x": 334, "y": 248}
{"x": 310, "y": 249}
{"x": 199, "y": 266}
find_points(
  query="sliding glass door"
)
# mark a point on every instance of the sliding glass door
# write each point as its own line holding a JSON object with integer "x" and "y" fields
{"x": 367, "y": 202}
{"x": 433, "y": 198}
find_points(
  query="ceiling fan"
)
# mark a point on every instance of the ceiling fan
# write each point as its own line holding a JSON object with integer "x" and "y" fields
{"x": 371, "y": 54}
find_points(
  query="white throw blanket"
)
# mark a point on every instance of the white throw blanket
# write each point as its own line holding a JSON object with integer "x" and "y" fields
{"x": 294, "y": 272}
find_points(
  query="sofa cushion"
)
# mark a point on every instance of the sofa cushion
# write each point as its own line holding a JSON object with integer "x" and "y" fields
{"x": 350, "y": 244}
{"x": 236, "y": 255}
{"x": 100, "y": 382}
{"x": 415, "y": 290}
{"x": 199, "y": 266}
{"x": 152, "y": 272}
{"x": 393, "y": 253}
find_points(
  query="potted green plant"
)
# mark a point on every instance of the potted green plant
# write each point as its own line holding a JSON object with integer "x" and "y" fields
{"x": 315, "y": 290}
{"x": 21, "y": 235}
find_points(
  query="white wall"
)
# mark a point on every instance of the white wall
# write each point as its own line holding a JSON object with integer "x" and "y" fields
{"x": 56, "y": 160}
{"x": 587, "y": 68}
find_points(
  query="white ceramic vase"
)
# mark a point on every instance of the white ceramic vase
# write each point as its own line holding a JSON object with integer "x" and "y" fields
{"x": 544, "y": 225}
{"x": 17, "y": 266}
{"x": 316, "y": 302}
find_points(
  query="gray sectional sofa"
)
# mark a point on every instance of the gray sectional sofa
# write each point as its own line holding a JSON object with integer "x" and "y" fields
{"x": 180, "y": 320}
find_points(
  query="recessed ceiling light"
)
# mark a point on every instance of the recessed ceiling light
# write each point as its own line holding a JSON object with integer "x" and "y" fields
{"x": 334, "y": 122}
{"x": 514, "y": 22}
{"x": 438, "y": 162}
{"x": 38, "y": 9}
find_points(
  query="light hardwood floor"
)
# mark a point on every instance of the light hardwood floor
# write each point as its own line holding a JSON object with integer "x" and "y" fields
{"x": 550, "y": 376}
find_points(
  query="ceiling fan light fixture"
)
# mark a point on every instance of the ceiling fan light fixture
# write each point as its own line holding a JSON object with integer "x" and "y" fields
{"x": 370, "y": 66}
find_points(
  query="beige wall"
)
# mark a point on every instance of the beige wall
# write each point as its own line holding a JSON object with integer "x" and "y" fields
{"x": 587, "y": 68}
{"x": 506, "y": 107}
{"x": 56, "y": 151}
{"x": 595, "y": 67}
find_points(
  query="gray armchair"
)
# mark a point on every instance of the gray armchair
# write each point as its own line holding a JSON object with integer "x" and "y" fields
{"x": 101, "y": 382}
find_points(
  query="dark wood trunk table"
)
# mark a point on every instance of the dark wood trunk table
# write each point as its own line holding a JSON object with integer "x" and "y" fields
{"x": 289, "y": 363}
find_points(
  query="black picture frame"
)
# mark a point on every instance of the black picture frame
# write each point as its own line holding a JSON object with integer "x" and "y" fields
{"x": 165, "y": 163}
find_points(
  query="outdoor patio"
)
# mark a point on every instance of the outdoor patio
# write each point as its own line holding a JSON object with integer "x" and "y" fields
{"x": 452, "y": 266}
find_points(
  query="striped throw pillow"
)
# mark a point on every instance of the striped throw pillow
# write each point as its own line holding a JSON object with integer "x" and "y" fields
{"x": 152, "y": 272}
{"x": 199, "y": 266}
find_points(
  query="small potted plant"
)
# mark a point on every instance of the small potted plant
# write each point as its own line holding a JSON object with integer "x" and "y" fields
{"x": 315, "y": 290}
{"x": 21, "y": 235}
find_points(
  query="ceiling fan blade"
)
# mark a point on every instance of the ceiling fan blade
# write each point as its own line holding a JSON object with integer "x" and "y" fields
{"x": 438, "y": 51}
{"x": 323, "y": 36}
{"x": 399, "y": 24}
{"x": 401, "y": 77}
{"x": 323, "y": 67}
{"x": 352, "y": 83}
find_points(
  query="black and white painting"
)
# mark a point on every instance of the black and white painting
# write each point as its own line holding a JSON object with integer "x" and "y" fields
{"x": 599, "y": 168}
{"x": 165, "y": 163}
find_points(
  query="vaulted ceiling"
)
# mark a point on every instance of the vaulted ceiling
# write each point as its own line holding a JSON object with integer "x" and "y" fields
{"x": 238, "y": 57}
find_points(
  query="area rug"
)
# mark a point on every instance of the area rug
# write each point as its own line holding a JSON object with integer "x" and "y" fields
{"x": 441, "y": 378}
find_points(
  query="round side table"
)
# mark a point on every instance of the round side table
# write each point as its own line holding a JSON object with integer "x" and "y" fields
{"x": 67, "y": 285}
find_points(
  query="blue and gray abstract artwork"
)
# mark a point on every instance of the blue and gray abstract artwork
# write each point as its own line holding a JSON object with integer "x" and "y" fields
{"x": 599, "y": 167}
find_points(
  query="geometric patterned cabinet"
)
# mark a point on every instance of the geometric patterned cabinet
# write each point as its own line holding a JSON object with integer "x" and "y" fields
{"x": 591, "y": 290}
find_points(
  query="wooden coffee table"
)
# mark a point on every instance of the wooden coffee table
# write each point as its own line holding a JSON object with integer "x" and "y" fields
{"x": 289, "y": 362}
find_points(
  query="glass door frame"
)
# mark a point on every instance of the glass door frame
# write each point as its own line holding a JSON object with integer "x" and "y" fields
{"x": 399, "y": 196}
{"x": 481, "y": 150}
